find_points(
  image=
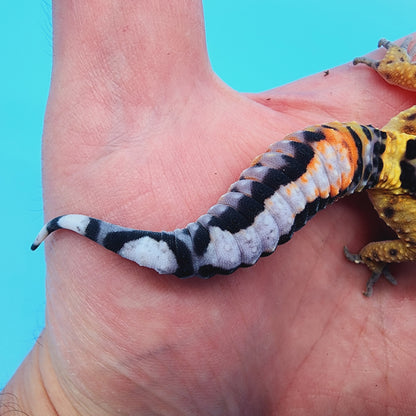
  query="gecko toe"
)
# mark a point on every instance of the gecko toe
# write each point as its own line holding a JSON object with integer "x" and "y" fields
{"x": 354, "y": 258}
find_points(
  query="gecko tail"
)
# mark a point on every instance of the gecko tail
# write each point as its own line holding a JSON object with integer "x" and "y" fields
{"x": 165, "y": 252}
{"x": 77, "y": 223}
{"x": 43, "y": 233}
{"x": 281, "y": 190}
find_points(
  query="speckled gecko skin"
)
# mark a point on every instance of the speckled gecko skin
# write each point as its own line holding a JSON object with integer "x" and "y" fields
{"x": 284, "y": 188}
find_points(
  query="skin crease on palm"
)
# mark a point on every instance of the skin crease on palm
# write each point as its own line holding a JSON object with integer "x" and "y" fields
{"x": 140, "y": 132}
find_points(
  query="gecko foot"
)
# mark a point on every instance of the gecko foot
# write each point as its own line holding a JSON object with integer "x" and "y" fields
{"x": 411, "y": 53}
{"x": 397, "y": 66}
{"x": 376, "y": 274}
{"x": 404, "y": 46}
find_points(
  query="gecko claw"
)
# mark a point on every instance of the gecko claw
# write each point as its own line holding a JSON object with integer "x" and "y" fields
{"x": 354, "y": 258}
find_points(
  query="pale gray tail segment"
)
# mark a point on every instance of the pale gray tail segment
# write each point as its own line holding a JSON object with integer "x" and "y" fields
{"x": 273, "y": 198}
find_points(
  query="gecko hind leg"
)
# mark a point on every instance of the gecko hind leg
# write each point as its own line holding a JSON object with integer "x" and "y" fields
{"x": 378, "y": 271}
{"x": 404, "y": 122}
{"x": 377, "y": 255}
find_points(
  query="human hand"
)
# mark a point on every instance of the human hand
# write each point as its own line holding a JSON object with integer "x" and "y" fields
{"x": 141, "y": 133}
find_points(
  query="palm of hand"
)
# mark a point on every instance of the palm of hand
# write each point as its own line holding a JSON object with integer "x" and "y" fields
{"x": 293, "y": 332}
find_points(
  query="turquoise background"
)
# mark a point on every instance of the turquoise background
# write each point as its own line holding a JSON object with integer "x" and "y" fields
{"x": 253, "y": 45}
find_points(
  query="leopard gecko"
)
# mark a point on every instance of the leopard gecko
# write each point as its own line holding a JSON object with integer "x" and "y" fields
{"x": 284, "y": 188}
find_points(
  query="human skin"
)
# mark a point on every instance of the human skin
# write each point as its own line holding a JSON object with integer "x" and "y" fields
{"x": 140, "y": 132}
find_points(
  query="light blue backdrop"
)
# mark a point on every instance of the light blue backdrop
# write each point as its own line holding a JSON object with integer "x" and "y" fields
{"x": 253, "y": 45}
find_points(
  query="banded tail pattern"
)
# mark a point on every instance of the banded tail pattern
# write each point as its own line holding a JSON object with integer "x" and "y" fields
{"x": 281, "y": 190}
